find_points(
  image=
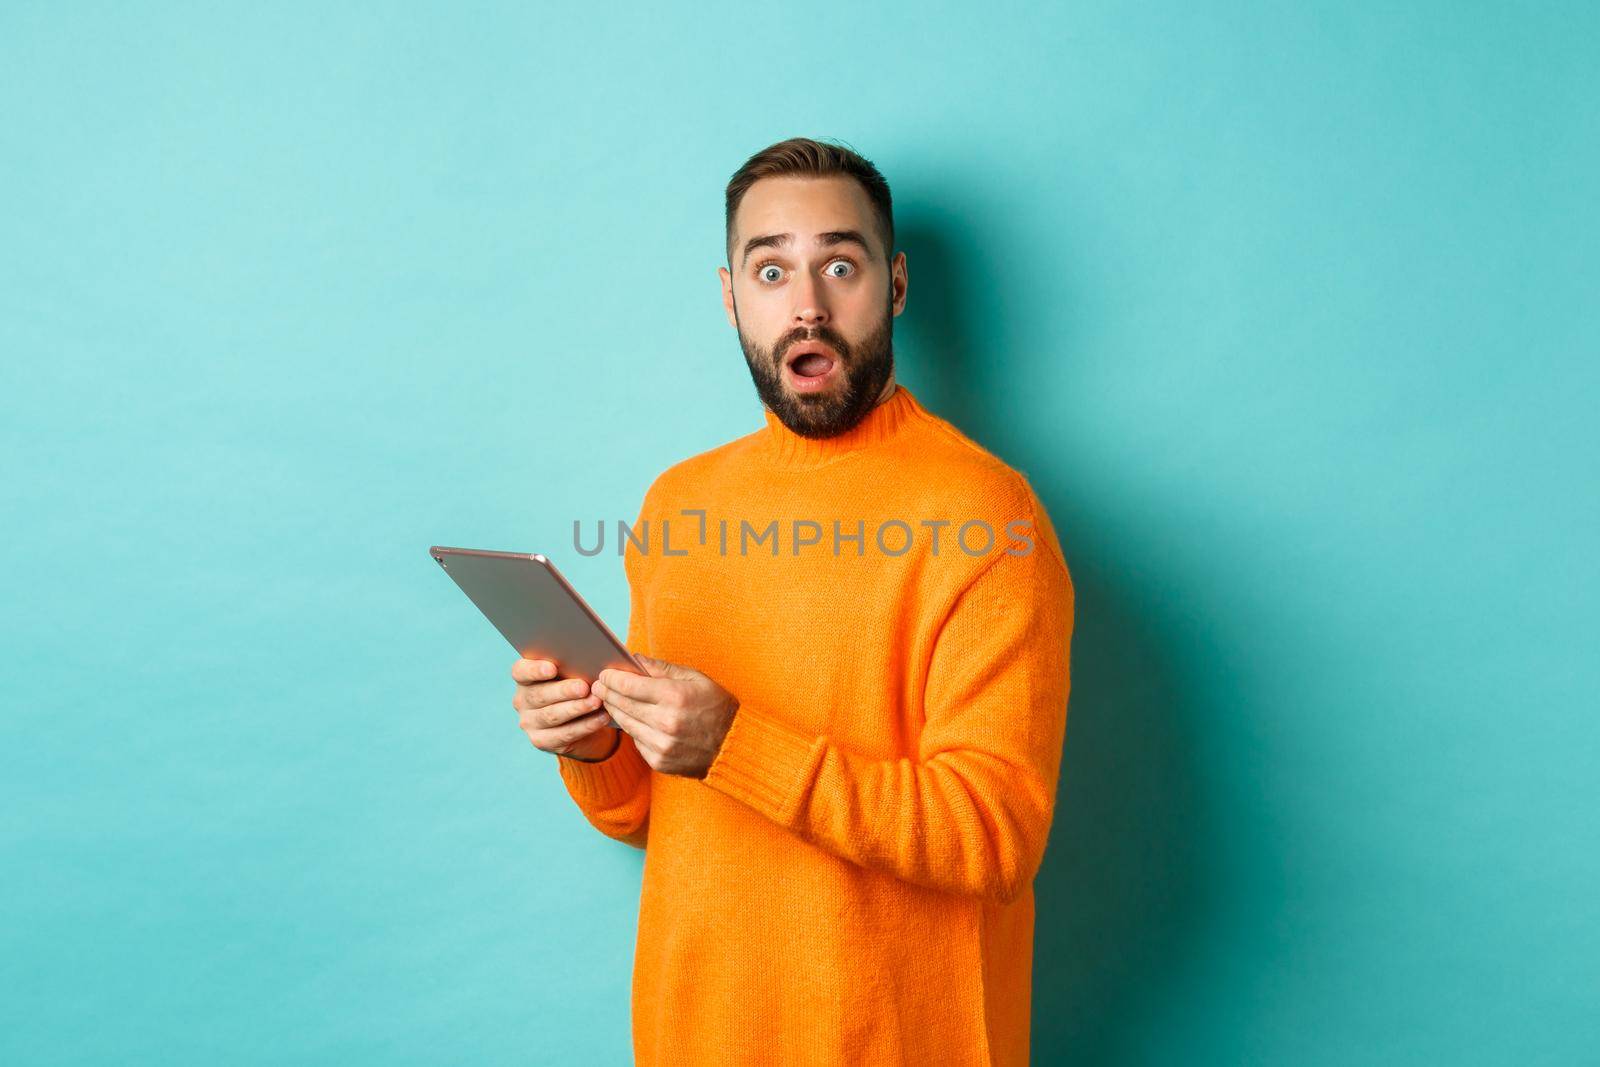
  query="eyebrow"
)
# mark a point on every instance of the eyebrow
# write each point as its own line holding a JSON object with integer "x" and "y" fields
{"x": 784, "y": 240}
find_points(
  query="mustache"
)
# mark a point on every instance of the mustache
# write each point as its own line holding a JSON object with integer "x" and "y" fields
{"x": 822, "y": 333}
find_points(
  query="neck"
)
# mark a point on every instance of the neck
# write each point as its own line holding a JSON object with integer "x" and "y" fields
{"x": 888, "y": 389}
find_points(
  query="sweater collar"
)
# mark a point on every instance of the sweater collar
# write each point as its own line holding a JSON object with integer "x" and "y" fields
{"x": 785, "y": 448}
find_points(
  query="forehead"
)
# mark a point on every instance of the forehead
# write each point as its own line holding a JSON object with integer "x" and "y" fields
{"x": 804, "y": 207}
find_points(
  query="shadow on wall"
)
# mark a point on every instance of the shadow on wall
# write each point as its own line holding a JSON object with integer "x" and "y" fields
{"x": 1124, "y": 897}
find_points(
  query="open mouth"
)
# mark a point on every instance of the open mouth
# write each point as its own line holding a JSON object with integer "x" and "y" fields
{"x": 810, "y": 363}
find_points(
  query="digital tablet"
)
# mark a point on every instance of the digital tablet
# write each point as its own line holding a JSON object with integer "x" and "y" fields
{"x": 537, "y": 610}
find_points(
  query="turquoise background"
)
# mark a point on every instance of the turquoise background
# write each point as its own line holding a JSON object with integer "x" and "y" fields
{"x": 1288, "y": 311}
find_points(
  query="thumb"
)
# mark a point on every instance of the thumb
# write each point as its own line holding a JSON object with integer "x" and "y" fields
{"x": 660, "y": 668}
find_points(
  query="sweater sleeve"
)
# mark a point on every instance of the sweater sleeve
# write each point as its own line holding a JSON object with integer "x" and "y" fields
{"x": 971, "y": 813}
{"x": 614, "y": 794}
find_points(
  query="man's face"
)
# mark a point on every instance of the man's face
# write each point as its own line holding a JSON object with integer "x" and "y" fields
{"x": 813, "y": 298}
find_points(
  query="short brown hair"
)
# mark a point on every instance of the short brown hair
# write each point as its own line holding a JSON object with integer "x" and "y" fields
{"x": 804, "y": 158}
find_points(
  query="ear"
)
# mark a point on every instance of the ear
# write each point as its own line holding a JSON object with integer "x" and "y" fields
{"x": 727, "y": 296}
{"x": 899, "y": 282}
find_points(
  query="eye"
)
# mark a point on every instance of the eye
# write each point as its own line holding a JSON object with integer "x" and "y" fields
{"x": 850, "y": 268}
{"x": 761, "y": 271}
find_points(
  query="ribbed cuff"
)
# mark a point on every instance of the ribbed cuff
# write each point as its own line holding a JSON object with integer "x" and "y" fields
{"x": 611, "y": 781}
{"x": 764, "y": 763}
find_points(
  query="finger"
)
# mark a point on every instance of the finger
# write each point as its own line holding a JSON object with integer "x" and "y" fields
{"x": 560, "y": 737}
{"x": 528, "y": 671}
{"x": 637, "y": 686}
{"x": 542, "y": 693}
{"x": 642, "y": 731}
{"x": 650, "y": 664}
{"x": 557, "y": 714}
{"x": 660, "y": 668}
{"x": 639, "y": 708}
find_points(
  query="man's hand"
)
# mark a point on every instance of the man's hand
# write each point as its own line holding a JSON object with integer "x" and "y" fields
{"x": 559, "y": 715}
{"x": 677, "y": 717}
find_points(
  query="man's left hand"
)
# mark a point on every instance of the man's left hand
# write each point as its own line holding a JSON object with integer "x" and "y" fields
{"x": 677, "y": 717}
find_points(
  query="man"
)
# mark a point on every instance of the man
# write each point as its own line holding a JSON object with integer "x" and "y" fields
{"x": 843, "y": 763}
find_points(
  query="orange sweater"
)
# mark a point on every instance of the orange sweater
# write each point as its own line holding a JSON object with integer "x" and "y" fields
{"x": 852, "y": 881}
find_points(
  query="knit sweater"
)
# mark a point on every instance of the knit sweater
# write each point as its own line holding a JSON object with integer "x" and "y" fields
{"x": 852, "y": 880}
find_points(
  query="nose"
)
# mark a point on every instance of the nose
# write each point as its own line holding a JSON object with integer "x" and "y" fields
{"x": 809, "y": 309}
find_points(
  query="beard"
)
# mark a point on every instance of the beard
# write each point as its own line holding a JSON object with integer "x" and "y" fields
{"x": 864, "y": 370}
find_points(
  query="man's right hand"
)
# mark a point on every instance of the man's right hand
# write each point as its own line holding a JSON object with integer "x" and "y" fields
{"x": 558, "y": 714}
